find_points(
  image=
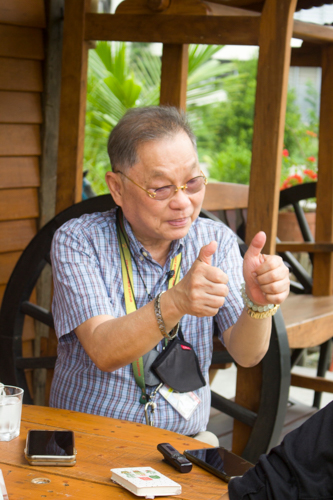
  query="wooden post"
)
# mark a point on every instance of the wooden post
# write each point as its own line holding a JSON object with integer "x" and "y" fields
{"x": 72, "y": 105}
{"x": 47, "y": 191}
{"x": 174, "y": 75}
{"x": 271, "y": 99}
{"x": 323, "y": 262}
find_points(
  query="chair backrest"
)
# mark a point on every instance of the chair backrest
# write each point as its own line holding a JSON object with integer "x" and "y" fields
{"x": 16, "y": 301}
{"x": 228, "y": 201}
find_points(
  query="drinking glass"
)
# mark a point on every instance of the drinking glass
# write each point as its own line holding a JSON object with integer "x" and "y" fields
{"x": 10, "y": 411}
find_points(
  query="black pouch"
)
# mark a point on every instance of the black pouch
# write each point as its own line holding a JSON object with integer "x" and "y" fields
{"x": 178, "y": 366}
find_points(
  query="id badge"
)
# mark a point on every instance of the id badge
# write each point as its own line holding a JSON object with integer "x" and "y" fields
{"x": 183, "y": 402}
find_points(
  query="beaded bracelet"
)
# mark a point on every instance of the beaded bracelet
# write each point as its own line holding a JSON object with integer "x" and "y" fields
{"x": 160, "y": 321}
{"x": 255, "y": 310}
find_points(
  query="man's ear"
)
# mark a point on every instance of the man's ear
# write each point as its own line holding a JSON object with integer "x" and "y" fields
{"x": 115, "y": 186}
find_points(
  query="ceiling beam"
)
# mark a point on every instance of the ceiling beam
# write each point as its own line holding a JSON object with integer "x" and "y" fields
{"x": 231, "y": 30}
{"x": 183, "y": 29}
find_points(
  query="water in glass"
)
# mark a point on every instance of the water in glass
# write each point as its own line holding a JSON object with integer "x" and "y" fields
{"x": 10, "y": 411}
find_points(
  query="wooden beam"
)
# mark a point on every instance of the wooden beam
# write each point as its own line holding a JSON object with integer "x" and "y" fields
{"x": 307, "y": 55}
{"x": 174, "y": 75}
{"x": 232, "y": 30}
{"x": 51, "y": 100}
{"x": 271, "y": 100}
{"x": 72, "y": 105}
{"x": 314, "y": 33}
{"x": 319, "y": 384}
{"x": 270, "y": 108}
{"x": 293, "y": 246}
{"x": 323, "y": 264}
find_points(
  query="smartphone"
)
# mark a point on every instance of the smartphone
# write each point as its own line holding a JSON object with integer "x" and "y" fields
{"x": 55, "y": 448}
{"x": 219, "y": 461}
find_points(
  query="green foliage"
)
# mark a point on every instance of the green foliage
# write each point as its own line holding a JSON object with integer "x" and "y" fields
{"x": 120, "y": 78}
{"x": 231, "y": 164}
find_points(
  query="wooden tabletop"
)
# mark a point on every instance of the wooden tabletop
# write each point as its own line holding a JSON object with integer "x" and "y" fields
{"x": 102, "y": 444}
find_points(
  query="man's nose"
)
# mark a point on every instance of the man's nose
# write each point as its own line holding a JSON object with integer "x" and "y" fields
{"x": 180, "y": 199}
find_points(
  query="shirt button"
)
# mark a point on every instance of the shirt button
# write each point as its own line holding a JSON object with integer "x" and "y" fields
{"x": 141, "y": 258}
{"x": 144, "y": 254}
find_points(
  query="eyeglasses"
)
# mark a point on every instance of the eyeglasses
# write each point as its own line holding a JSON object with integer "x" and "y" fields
{"x": 163, "y": 193}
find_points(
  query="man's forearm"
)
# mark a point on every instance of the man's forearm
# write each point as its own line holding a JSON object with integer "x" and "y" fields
{"x": 248, "y": 340}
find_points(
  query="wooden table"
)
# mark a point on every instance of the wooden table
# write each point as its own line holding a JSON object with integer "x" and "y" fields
{"x": 102, "y": 443}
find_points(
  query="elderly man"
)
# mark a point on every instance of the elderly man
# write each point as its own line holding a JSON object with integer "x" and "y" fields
{"x": 156, "y": 260}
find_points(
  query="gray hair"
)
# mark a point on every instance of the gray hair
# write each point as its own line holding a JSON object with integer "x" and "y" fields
{"x": 140, "y": 125}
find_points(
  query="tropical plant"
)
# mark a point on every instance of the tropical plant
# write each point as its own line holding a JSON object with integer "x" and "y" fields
{"x": 119, "y": 80}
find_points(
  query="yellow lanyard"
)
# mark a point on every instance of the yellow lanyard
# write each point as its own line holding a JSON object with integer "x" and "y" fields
{"x": 130, "y": 304}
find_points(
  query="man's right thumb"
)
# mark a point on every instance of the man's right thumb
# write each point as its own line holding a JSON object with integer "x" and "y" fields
{"x": 206, "y": 252}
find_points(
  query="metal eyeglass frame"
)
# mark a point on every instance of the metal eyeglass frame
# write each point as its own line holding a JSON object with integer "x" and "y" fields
{"x": 153, "y": 195}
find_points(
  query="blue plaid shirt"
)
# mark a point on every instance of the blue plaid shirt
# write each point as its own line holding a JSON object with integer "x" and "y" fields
{"x": 88, "y": 282}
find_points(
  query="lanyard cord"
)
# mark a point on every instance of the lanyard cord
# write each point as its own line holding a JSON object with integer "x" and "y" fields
{"x": 130, "y": 303}
{"x": 132, "y": 257}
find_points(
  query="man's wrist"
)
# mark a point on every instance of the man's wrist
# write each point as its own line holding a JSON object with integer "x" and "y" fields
{"x": 257, "y": 311}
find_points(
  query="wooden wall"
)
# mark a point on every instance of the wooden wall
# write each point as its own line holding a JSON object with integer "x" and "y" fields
{"x": 22, "y": 26}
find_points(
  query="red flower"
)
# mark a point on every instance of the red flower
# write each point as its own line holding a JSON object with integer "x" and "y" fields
{"x": 292, "y": 180}
{"x": 311, "y": 158}
{"x": 310, "y": 173}
{"x": 285, "y": 152}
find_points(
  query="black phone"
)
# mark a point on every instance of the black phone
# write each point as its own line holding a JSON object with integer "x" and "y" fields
{"x": 219, "y": 461}
{"x": 55, "y": 448}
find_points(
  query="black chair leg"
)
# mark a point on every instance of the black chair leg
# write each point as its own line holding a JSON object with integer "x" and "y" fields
{"x": 324, "y": 359}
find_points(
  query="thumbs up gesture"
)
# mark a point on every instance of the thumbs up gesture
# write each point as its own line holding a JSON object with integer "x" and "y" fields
{"x": 266, "y": 276}
{"x": 203, "y": 289}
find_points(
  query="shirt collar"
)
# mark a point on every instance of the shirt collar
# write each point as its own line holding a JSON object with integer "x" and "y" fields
{"x": 138, "y": 249}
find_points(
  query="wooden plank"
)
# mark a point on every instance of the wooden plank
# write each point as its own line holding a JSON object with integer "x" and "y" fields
{"x": 323, "y": 264}
{"x": 292, "y": 246}
{"x": 18, "y": 204}
{"x": 307, "y": 55}
{"x": 16, "y": 172}
{"x": 225, "y": 196}
{"x": 174, "y": 75}
{"x": 20, "y": 107}
{"x": 180, "y": 7}
{"x": 15, "y": 235}
{"x": 19, "y": 140}
{"x": 23, "y": 13}
{"x": 72, "y": 105}
{"x": 20, "y": 74}
{"x": 7, "y": 264}
{"x": 319, "y": 384}
{"x": 314, "y": 33}
{"x": 308, "y": 319}
{"x": 242, "y": 30}
{"x": 268, "y": 130}
{"x": 24, "y": 43}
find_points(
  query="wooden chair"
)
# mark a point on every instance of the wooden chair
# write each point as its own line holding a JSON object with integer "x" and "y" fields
{"x": 266, "y": 424}
{"x": 307, "y": 318}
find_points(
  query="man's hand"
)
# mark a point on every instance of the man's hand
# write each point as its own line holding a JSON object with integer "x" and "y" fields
{"x": 204, "y": 288}
{"x": 266, "y": 276}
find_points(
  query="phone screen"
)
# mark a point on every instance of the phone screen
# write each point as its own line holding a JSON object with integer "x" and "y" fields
{"x": 219, "y": 461}
{"x": 51, "y": 443}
